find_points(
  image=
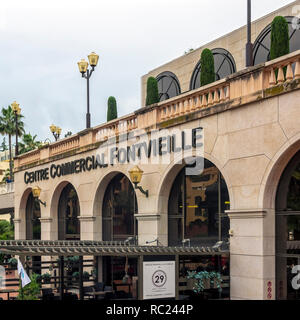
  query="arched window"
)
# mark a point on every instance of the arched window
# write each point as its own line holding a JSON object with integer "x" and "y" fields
{"x": 262, "y": 45}
{"x": 168, "y": 86}
{"x": 288, "y": 230}
{"x": 68, "y": 213}
{"x": 119, "y": 207}
{"x": 224, "y": 66}
{"x": 33, "y": 215}
{"x": 194, "y": 206}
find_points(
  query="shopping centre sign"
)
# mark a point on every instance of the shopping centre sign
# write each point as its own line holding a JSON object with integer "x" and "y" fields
{"x": 144, "y": 149}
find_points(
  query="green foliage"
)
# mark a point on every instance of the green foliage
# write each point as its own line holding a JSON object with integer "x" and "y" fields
{"x": 205, "y": 275}
{"x": 152, "y": 91}
{"x": 8, "y": 127}
{"x": 68, "y": 134}
{"x": 112, "y": 112}
{"x": 6, "y": 230}
{"x": 32, "y": 290}
{"x": 13, "y": 262}
{"x": 46, "y": 277}
{"x": 207, "y": 68}
{"x": 280, "y": 43}
{"x": 75, "y": 275}
{"x": 4, "y": 145}
{"x": 29, "y": 143}
{"x": 86, "y": 275}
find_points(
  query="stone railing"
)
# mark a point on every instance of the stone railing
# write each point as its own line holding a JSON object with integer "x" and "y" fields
{"x": 7, "y": 188}
{"x": 248, "y": 85}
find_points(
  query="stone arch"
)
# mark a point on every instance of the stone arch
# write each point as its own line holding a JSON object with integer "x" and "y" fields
{"x": 166, "y": 183}
{"x": 167, "y": 179}
{"x": 100, "y": 194}
{"x": 54, "y": 203}
{"x": 274, "y": 171}
{"x": 20, "y": 220}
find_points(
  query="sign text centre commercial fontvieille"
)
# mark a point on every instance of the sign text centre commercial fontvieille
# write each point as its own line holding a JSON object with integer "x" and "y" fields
{"x": 172, "y": 143}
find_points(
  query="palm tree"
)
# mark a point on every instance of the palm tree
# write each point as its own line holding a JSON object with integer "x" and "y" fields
{"x": 29, "y": 143}
{"x": 8, "y": 127}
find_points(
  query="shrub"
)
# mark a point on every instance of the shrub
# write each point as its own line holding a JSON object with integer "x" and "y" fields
{"x": 31, "y": 291}
{"x": 46, "y": 277}
{"x": 86, "y": 275}
{"x": 280, "y": 43}
{"x": 152, "y": 91}
{"x": 112, "y": 112}
{"x": 207, "y": 67}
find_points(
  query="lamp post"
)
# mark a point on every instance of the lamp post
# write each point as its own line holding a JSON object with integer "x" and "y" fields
{"x": 249, "y": 45}
{"x": 17, "y": 111}
{"x": 56, "y": 131}
{"x": 87, "y": 73}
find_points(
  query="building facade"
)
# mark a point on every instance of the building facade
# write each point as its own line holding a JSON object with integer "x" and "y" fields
{"x": 244, "y": 133}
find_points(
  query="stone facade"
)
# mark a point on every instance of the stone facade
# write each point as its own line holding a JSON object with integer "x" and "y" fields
{"x": 251, "y": 127}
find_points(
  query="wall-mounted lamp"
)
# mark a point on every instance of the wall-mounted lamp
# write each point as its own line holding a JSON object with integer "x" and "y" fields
{"x": 36, "y": 191}
{"x": 136, "y": 175}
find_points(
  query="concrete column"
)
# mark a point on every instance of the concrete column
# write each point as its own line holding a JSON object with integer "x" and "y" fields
{"x": 252, "y": 254}
{"x": 46, "y": 229}
{"x": 90, "y": 228}
{"x": 149, "y": 229}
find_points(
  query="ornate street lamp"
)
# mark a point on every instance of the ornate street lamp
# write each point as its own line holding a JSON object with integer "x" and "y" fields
{"x": 86, "y": 73}
{"x": 36, "y": 192}
{"x": 56, "y": 131}
{"x": 136, "y": 175}
{"x": 17, "y": 111}
{"x": 249, "y": 45}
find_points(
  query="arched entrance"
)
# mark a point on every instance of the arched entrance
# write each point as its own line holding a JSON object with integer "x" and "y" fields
{"x": 118, "y": 209}
{"x": 288, "y": 232}
{"x": 33, "y": 215}
{"x": 196, "y": 208}
{"x": 119, "y": 224}
{"x": 68, "y": 213}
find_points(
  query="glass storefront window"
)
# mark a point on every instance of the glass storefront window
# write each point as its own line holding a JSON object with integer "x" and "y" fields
{"x": 68, "y": 213}
{"x": 288, "y": 230}
{"x": 196, "y": 207}
{"x": 118, "y": 210}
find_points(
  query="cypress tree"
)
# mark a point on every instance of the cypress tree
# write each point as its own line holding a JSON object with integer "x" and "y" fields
{"x": 152, "y": 91}
{"x": 280, "y": 43}
{"x": 207, "y": 67}
{"x": 112, "y": 112}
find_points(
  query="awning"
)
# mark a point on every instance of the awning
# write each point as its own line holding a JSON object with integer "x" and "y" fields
{"x": 100, "y": 248}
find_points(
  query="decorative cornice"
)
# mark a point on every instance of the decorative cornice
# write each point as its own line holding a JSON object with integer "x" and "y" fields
{"x": 246, "y": 214}
{"x": 147, "y": 217}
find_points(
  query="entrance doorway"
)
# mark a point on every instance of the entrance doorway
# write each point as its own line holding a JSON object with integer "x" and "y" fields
{"x": 288, "y": 232}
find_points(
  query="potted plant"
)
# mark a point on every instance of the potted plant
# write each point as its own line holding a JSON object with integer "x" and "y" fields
{"x": 46, "y": 277}
{"x": 13, "y": 262}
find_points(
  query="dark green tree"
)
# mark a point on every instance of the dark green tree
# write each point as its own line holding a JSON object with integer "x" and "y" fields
{"x": 207, "y": 68}
{"x": 152, "y": 91}
{"x": 68, "y": 134}
{"x": 8, "y": 127}
{"x": 4, "y": 145}
{"x": 280, "y": 43}
{"x": 112, "y": 112}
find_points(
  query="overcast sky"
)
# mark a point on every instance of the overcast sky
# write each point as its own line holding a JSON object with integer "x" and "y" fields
{"x": 42, "y": 41}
